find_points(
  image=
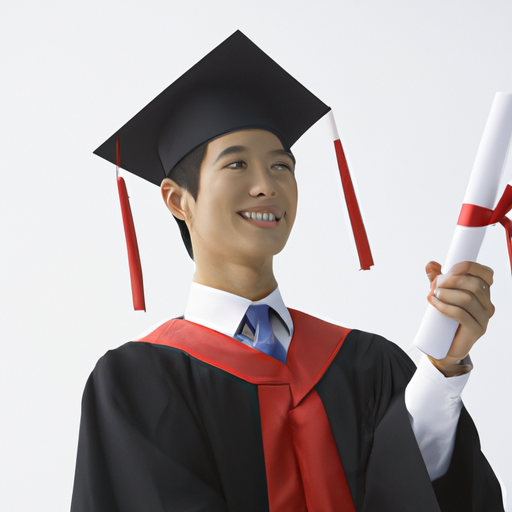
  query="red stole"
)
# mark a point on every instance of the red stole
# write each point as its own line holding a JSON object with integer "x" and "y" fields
{"x": 304, "y": 471}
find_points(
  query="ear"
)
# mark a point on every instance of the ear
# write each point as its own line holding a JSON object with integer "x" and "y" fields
{"x": 175, "y": 198}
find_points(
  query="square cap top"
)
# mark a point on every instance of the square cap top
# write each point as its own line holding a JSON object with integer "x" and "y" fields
{"x": 235, "y": 87}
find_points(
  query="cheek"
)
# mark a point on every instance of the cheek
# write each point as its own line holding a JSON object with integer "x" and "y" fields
{"x": 213, "y": 219}
{"x": 293, "y": 198}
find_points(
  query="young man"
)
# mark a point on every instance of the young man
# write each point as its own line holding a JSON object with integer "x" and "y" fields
{"x": 244, "y": 405}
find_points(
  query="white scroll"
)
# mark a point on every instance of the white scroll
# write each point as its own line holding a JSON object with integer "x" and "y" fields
{"x": 437, "y": 331}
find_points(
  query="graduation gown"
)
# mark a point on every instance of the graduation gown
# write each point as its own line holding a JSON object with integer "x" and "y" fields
{"x": 188, "y": 419}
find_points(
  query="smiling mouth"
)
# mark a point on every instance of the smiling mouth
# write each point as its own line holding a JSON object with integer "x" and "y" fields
{"x": 259, "y": 216}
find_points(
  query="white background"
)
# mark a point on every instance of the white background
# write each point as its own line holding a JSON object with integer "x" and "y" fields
{"x": 411, "y": 84}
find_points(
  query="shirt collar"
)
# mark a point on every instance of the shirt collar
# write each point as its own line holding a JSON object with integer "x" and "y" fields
{"x": 223, "y": 311}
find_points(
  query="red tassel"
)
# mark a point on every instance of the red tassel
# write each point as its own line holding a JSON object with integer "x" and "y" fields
{"x": 356, "y": 219}
{"x": 131, "y": 242}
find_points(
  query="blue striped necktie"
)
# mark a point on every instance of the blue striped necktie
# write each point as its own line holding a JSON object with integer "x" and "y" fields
{"x": 257, "y": 318}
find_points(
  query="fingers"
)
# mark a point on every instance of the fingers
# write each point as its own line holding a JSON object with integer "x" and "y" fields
{"x": 475, "y": 269}
{"x": 463, "y": 308}
{"x": 468, "y": 332}
{"x": 464, "y": 295}
{"x": 467, "y": 291}
{"x": 466, "y": 285}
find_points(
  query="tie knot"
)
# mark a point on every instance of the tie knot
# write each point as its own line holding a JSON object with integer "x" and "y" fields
{"x": 258, "y": 315}
{"x": 257, "y": 318}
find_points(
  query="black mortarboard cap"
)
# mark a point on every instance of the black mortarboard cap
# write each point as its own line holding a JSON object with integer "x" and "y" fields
{"x": 236, "y": 86}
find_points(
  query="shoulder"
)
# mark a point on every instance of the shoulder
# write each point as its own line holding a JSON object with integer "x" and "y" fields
{"x": 367, "y": 345}
{"x": 358, "y": 344}
{"x": 369, "y": 371}
{"x": 143, "y": 354}
{"x": 136, "y": 360}
{"x": 141, "y": 381}
{"x": 360, "y": 351}
{"x": 372, "y": 357}
{"x": 139, "y": 369}
{"x": 130, "y": 356}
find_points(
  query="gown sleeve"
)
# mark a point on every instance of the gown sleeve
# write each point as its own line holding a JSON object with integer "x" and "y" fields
{"x": 142, "y": 445}
{"x": 397, "y": 478}
{"x": 382, "y": 462}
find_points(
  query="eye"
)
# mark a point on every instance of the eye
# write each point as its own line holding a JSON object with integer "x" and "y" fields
{"x": 282, "y": 167}
{"x": 239, "y": 164}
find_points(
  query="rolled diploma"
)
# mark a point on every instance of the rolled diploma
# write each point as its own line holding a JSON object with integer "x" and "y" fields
{"x": 437, "y": 331}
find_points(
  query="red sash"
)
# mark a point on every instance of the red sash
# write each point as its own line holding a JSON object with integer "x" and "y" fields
{"x": 304, "y": 471}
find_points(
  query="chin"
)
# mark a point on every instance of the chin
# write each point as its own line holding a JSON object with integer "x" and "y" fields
{"x": 260, "y": 252}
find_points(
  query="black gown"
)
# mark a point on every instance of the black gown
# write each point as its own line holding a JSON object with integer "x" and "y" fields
{"x": 188, "y": 419}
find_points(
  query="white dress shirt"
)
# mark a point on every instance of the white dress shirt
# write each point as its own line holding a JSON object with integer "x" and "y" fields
{"x": 223, "y": 311}
{"x": 432, "y": 400}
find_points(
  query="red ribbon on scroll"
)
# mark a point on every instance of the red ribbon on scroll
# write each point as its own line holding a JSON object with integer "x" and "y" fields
{"x": 131, "y": 241}
{"x": 354, "y": 213}
{"x": 472, "y": 215}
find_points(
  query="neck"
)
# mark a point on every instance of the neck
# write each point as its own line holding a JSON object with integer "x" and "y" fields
{"x": 251, "y": 282}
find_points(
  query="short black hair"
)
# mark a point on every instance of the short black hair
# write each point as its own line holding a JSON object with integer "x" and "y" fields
{"x": 186, "y": 174}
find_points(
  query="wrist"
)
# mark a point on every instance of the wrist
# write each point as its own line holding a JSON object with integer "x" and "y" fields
{"x": 451, "y": 366}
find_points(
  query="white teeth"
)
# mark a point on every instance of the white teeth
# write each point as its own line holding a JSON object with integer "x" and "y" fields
{"x": 258, "y": 216}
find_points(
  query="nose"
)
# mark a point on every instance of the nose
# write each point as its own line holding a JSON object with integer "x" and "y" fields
{"x": 263, "y": 183}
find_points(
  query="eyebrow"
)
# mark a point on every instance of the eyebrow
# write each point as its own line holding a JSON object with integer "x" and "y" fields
{"x": 239, "y": 149}
{"x": 289, "y": 154}
{"x": 229, "y": 151}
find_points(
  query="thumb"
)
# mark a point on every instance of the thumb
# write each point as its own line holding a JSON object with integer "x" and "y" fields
{"x": 432, "y": 269}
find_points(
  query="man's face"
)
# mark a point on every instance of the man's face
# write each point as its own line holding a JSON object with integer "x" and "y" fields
{"x": 247, "y": 199}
